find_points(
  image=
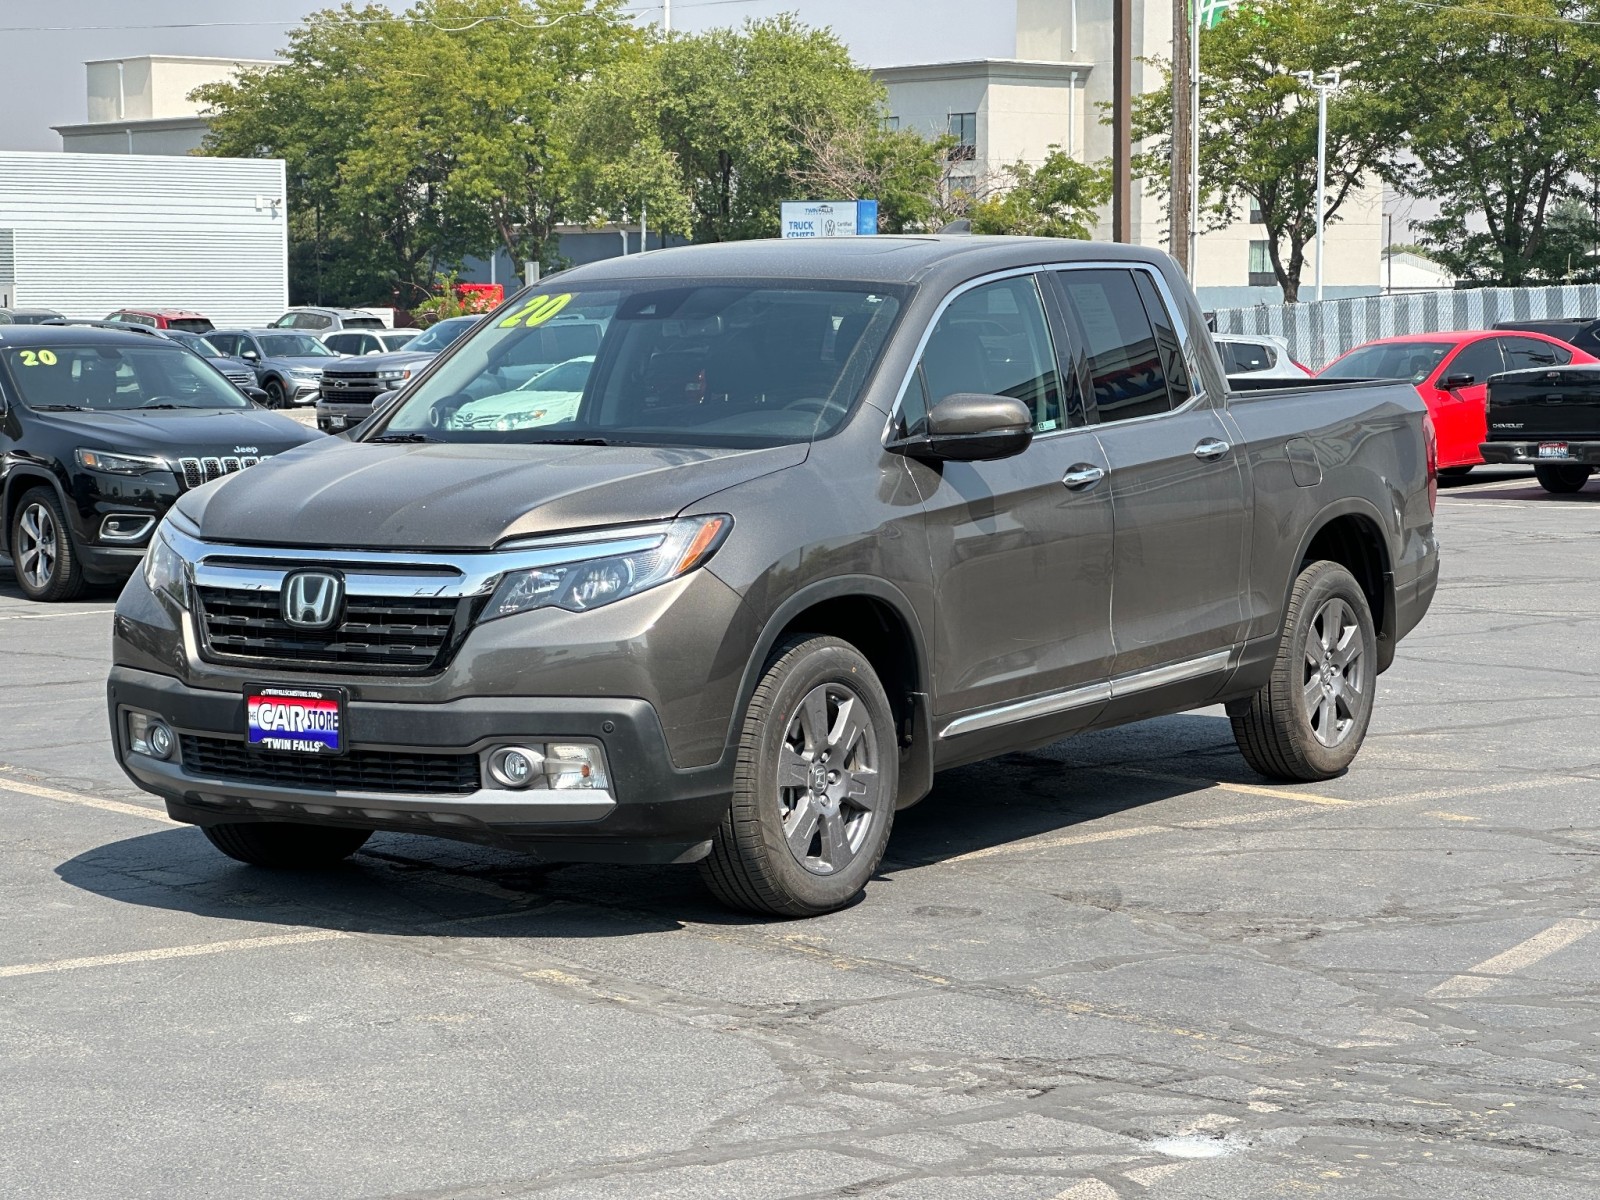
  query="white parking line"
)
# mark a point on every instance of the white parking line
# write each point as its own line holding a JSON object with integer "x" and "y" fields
{"x": 1479, "y": 979}
{"x": 56, "y": 616}
{"x": 7, "y": 784}
{"x": 165, "y": 952}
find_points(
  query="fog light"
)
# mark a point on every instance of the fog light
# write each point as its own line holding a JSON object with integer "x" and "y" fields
{"x": 575, "y": 765}
{"x": 515, "y": 766}
{"x": 126, "y": 527}
{"x": 151, "y": 735}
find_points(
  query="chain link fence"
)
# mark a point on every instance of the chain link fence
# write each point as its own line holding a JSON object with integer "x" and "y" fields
{"x": 1320, "y": 331}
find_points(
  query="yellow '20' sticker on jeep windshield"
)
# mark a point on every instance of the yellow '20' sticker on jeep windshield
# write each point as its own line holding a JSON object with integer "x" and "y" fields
{"x": 38, "y": 358}
{"x": 537, "y": 311}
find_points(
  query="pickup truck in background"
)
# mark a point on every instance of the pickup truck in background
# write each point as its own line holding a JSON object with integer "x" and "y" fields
{"x": 1548, "y": 418}
{"x": 810, "y": 522}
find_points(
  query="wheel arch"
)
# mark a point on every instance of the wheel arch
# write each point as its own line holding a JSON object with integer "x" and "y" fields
{"x": 1351, "y": 533}
{"x": 880, "y": 621}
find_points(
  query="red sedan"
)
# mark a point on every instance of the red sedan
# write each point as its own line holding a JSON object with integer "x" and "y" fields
{"x": 1451, "y": 372}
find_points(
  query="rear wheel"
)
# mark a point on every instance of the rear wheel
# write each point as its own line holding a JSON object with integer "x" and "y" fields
{"x": 814, "y": 785}
{"x": 286, "y": 846}
{"x": 1562, "y": 478}
{"x": 42, "y": 551}
{"x": 1310, "y": 719}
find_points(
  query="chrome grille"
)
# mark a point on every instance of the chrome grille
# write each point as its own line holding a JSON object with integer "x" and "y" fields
{"x": 195, "y": 471}
{"x": 377, "y": 633}
{"x": 357, "y": 770}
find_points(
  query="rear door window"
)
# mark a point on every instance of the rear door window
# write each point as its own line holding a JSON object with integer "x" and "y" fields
{"x": 1127, "y": 359}
{"x": 1524, "y": 354}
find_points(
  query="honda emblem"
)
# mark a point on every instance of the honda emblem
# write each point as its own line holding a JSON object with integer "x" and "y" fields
{"x": 312, "y": 599}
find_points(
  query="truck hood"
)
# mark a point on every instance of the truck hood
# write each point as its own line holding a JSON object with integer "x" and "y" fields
{"x": 434, "y": 496}
{"x": 368, "y": 364}
{"x": 175, "y": 433}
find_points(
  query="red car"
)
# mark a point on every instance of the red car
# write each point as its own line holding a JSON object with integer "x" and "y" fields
{"x": 1451, "y": 372}
{"x": 164, "y": 318}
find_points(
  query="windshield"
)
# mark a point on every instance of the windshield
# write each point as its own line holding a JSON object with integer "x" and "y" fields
{"x": 443, "y": 335}
{"x": 294, "y": 345}
{"x": 731, "y": 364}
{"x": 393, "y": 339}
{"x": 196, "y": 343}
{"x": 1413, "y": 361}
{"x": 115, "y": 378}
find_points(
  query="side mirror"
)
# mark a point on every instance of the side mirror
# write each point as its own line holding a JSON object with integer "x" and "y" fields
{"x": 971, "y": 427}
{"x": 1459, "y": 380}
{"x": 256, "y": 394}
{"x": 249, "y": 356}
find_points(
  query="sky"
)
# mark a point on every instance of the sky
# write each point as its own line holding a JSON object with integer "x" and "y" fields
{"x": 43, "y": 46}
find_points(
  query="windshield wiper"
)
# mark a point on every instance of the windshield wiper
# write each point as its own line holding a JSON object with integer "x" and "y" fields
{"x": 393, "y": 438}
{"x": 62, "y": 408}
{"x": 149, "y": 407}
{"x": 572, "y": 441}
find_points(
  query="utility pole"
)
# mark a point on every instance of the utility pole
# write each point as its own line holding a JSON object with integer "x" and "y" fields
{"x": 1182, "y": 119}
{"x": 666, "y": 16}
{"x": 1324, "y": 83}
{"x": 1122, "y": 120}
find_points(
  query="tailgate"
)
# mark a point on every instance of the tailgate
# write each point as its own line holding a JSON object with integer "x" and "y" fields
{"x": 1545, "y": 403}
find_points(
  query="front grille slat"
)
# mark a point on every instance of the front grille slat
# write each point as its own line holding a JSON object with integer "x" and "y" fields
{"x": 196, "y": 470}
{"x": 358, "y": 770}
{"x": 383, "y": 632}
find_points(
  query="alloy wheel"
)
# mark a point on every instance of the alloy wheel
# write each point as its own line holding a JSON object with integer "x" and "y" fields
{"x": 38, "y": 546}
{"x": 829, "y": 787}
{"x": 1333, "y": 684}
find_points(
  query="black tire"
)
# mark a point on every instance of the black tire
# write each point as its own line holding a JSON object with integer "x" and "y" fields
{"x": 286, "y": 846}
{"x": 43, "y": 554}
{"x": 1279, "y": 730}
{"x": 276, "y": 396}
{"x": 760, "y": 854}
{"x": 1562, "y": 479}
{"x": 1454, "y": 472}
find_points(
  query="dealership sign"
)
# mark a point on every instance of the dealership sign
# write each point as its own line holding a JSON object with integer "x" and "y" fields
{"x": 829, "y": 218}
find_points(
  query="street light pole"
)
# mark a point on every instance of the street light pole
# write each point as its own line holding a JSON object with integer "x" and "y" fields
{"x": 1324, "y": 83}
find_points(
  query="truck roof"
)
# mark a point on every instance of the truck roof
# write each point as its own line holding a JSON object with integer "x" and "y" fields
{"x": 885, "y": 258}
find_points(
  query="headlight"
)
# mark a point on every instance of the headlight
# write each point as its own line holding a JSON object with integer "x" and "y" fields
{"x": 306, "y": 372}
{"x": 119, "y": 464}
{"x": 683, "y": 545}
{"x": 391, "y": 376}
{"x": 165, "y": 572}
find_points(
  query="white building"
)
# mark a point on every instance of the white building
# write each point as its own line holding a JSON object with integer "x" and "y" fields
{"x": 86, "y": 234}
{"x": 142, "y": 105}
{"x": 1050, "y": 94}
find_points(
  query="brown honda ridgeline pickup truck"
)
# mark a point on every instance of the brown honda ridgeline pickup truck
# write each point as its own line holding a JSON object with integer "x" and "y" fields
{"x": 802, "y": 524}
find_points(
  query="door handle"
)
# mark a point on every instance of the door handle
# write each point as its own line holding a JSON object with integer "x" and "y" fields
{"x": 1211, "y": 449}
{"x": 1081, "y": 476}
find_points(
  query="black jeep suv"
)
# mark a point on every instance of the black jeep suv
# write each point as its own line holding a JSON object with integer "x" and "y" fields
{"x": 100, "y": 431}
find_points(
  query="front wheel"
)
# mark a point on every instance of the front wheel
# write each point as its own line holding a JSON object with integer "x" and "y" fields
{"x": 42, "y": 551}
{"x": 814, "y": 785}
{"x": 1310, "y": 719}
{"x": 285, "y": 845}
{"x": 276, "y": 396}
{"x": 1562, "y": 479}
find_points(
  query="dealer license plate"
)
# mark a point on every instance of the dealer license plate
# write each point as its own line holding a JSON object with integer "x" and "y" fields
{"x": 295, "y": 720}
{"x": 1552, "y": 450}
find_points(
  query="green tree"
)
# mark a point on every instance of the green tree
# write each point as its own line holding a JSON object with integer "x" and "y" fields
{"x": 1502, "y": 124}
{"x": 899, "y": 168}
{"x": 414, "y": 140}
{"x": 716, "y": 124}
{"x": 1258, "y": 122}
{"x": 1058, "y": 198}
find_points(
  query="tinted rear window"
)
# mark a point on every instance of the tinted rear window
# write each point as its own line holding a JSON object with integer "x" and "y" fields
{"x": 362, "y": 322}
{"x": 191, "y": 324}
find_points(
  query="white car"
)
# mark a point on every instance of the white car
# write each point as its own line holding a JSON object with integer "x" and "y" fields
{"x": 1259, "y": 355}
{"x": 549, "y": 397}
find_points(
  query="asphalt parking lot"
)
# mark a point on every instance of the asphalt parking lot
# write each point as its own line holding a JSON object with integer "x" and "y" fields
{"x": 1119, "y": 967}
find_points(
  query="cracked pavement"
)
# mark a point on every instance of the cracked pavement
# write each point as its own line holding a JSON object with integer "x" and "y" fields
{"x": 1122, "y": 966}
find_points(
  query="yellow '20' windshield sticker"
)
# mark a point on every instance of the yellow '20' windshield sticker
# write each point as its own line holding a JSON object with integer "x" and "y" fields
{"x": 537, "y": 311}
{"x": 38, "y": 358}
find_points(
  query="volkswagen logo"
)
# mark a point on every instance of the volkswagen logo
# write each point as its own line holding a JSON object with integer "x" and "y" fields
{"x": 312, "y": 599}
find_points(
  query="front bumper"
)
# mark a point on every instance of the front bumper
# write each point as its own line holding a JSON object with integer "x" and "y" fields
{"x": 305, "y": 391}
{"x": 1526, "y": 454}
{"x": 336, "y": 418}
{"x": 652, "y": 812}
